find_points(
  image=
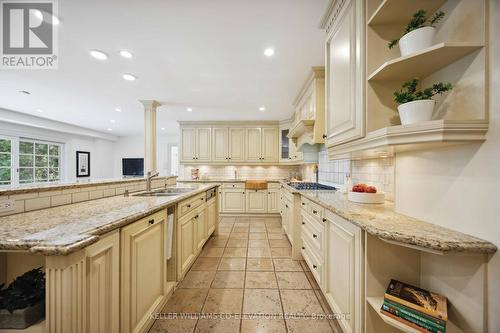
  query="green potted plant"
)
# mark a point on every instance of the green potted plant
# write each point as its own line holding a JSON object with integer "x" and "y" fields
{"x": 417, "y": 105}
{"x": 22, "y": 303}
{"x": 419, "y": 33}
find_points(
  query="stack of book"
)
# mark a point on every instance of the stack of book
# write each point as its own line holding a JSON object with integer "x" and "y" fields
{"x": 418, "y": 308}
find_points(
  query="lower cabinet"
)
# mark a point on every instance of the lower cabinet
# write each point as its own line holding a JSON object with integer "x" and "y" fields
{"x": 273, "y": 200}
{"x": 233, "y": 200}
{"x": 256, "y": 201}
{"x": 343, "y": 285}
{"x": 211, "y": 215}
{"x": 103, "y": 284}
{"x": 200, "y": 227}
{"x": 143, "y": 269}
{"x": 186, "y": 240}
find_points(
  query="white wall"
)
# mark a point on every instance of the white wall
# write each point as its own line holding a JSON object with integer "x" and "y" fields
{"x": 133, "y": 146}
{"x": 101, "y": 150}
{"x": 459, "y": 187}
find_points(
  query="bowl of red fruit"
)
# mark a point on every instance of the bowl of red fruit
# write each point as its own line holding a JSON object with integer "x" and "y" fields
{"x": 363, "y": 193}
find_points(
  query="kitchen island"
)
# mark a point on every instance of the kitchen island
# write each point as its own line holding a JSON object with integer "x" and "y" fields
{"x": 110, "y": 262}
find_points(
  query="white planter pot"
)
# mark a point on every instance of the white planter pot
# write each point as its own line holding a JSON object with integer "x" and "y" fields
{"x": 416, "y": 111}
{"x": 416, "y": 40}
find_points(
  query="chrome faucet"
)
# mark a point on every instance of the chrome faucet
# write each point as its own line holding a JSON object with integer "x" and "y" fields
{"x": 148, "y": 180}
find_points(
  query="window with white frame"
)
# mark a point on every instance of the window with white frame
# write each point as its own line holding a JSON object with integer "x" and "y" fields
{"x": 5, "y": 161}
{"x": 27, "y": 161}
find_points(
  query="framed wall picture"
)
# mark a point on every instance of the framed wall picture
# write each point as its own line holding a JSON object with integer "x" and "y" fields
{"x": 83, "y": 164}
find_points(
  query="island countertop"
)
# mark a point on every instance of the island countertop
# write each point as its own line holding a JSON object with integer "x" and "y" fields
{"x": 383, "y": 222}
{"x": 66, "y": 229}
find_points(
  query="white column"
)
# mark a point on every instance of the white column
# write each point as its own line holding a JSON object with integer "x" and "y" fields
{"x": 150, "y": 135}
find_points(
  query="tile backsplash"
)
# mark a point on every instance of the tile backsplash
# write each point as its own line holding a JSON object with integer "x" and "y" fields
{"x": 377, "y": 172}
{"x": 246, "y": 172}
{"x": 333, "y": 172}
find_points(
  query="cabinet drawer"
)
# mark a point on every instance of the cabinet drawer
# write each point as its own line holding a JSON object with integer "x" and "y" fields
{"x": 313, "y": 235}
{"x": 312, "y": 208}
{"x": 314, "y": 263}
{"x": 188, "y": 205}
{"x": 233, "y": 185}
{"x": 273, "y": 185}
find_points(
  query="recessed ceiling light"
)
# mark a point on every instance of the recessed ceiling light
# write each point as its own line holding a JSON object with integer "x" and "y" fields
{"x": 269, "y": 52}
{"x": 39, "y": 110}
{"x": 189, "y": 109}
{"x": 126, "y": 54}
{"x": 163, "y": 128}
{"x": 118, "y": 110}
{"x": 129, "y": 77}
{"x": 110, "y": 129}
{"x": 262, "y": 108}
{"x": 98, "y": 54}
{"x": 112, "y": 121}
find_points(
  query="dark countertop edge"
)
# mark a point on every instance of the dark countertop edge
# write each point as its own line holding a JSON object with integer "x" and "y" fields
{"x": 479, "y": 247}
{"x": 60, "y": 186}
{"x": 93, "y": 235}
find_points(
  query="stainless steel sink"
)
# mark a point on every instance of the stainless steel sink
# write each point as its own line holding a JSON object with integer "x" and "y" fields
{"x": 165, "y": 192}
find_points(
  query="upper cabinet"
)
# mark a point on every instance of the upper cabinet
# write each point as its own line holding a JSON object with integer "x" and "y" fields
{"x": 229, "y": 143}
{"x": 289, "y": 153}
{"x": 362, "y": 74}
{"x": 345, "y": 81}
{"x": 196, "y": 144}
{"x": 308, "y": 124}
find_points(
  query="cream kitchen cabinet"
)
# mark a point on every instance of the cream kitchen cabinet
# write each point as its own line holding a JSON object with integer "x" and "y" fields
{"x": 273, "y": 200}
{"x": 345, "y": 74}
{"x": 196, "y": 144}
{"x": 270, "y": 144}
{"x": 263, "y": 144}
{"x": 343, "y": 285}
{"x": 228, "y": 145}
{"x": 103, "y": 284}
{"x": 211, "y": 216}
{"x": 143, "y": 270}
{"x": 254, "y": 144}
{"x": 233, "y": 200}
{"x": 200, "y": 228}
{"x": 256, "y": 201}
{"x": 186, "y": 234}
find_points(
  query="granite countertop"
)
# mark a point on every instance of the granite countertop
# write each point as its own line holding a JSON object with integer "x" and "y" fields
{"x": 383, "y": 222}
{"x": 66, "y": 229}
{"x": 63, "y": 186}
{"x": 225, "y": 180}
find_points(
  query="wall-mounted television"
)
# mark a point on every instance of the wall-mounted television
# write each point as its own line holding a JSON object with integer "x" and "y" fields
{"x": 133, "y": 167}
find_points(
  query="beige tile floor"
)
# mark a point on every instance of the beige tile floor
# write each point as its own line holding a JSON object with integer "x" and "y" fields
{"x": 241, "y": 273}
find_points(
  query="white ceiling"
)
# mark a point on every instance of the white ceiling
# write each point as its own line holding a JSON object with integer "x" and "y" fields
{"x": 203, "y": 54}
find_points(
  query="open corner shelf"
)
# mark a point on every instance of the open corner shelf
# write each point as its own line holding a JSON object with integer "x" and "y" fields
{"x": 423, "y": 63}
{"x": 430, "y": 134}
{"x": 376, "y": 304}
{"x": 401, "y": 11}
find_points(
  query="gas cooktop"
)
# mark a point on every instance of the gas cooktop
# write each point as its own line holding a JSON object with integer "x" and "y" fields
{"x": 305, "y": 186}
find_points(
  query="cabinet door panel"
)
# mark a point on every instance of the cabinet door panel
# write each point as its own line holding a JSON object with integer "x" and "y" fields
{"x": 188, "y": 144}
{"x": 256, "y": 201}
{"x": 186, "y": 243}
{"x": 270, "y": 144}
{"x": 201, "y": 229}
{"x": 345, "y": 77}
{"x": 233, "y": 201}
{"x": 142, "y": 270}
{"x": 212, "y": 215}
{"x": 254, "y": 144}
{"x": 103, "y": 285}
{"x": 220, "y": 145}
{"x": 236, "y": 144}
{"x": 203, "y": 144}
{"x": 343, "y": 282}
{"x": 273, "y": 202}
